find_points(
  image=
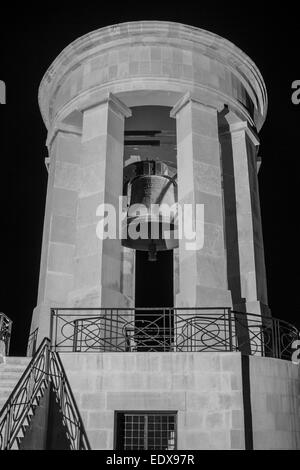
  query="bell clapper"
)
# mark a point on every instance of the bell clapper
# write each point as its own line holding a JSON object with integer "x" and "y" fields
{"x": 152, "y": 253}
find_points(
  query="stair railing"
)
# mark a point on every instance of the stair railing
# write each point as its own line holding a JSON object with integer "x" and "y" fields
{"x": 71, "y": 417}
{"x": 5, "y": 331}
{"x": 44, "y": 369}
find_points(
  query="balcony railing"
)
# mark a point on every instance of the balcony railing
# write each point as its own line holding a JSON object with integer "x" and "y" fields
{"x": 170, "y": 329}
{"x": 5, "y": 331}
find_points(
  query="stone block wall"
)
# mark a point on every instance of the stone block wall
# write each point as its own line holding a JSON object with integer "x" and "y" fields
{"x": 146, "y": 54}
{"x": 275, "y": 401}
{"x": 167, "y": 62}
{"x": 205, "y": 389}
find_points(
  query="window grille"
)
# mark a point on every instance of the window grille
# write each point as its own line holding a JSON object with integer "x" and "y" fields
{"x": 145, "y": 431}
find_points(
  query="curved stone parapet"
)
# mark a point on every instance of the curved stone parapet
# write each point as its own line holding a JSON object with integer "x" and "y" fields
{"x": 168, "y": 58}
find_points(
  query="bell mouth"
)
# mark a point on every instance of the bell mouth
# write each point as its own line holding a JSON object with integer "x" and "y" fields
{"x": 151, "y": 222}
{"x": 142, "y": 234}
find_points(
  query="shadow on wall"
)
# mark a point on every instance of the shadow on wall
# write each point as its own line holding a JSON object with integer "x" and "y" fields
{"x": 231, "y": 233}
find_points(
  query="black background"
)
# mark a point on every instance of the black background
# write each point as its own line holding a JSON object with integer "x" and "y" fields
{"x": 30, "y": 39}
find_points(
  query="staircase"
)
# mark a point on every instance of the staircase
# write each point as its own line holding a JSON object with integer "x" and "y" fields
{"x": 38, "y": 407}
{"x": 10, "y": 372}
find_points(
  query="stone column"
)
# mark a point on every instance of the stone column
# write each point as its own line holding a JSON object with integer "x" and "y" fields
{"x": 98, "y": 261}
{"x": 202, "y": 272}
{"x": 245, "y": 251}
{"x": 58, "y": 245}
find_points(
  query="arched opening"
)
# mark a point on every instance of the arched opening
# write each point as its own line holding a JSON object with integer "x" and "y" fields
{"x": 150, "y": 134}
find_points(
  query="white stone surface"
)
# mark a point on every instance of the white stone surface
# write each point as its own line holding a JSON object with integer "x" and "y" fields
{"x": 205, "y": 389}
{"x": 275, "y": 400}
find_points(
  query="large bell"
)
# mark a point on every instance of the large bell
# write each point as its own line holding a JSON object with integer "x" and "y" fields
{"x": 151, "y": 217}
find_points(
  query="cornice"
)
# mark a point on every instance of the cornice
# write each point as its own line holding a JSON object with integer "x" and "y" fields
{"x": 179, "y": 35}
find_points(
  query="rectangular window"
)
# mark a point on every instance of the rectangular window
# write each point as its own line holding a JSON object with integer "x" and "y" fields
{"x": 146, "y": 430}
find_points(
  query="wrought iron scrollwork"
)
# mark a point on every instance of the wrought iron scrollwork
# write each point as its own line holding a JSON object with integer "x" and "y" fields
{"x": 5, "y": 331}
{"x": 24, "y": 398}
{"x": 71, "y": 417}
{"x": 171, "y": 329}
{"x": 45, "y": 369}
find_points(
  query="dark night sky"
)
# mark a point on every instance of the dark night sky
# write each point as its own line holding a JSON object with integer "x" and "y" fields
{"x": 30, "y": 41}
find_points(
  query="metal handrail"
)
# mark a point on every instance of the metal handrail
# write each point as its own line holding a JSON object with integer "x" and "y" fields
{"x": 32, "y": 343}
{"x": 44, "y": 369}
{"x": 170, "y": 329}
{"x": 71, "y": 414}
{"x": 5, "y": 331}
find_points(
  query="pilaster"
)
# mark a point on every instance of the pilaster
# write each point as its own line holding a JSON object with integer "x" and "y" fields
{"x": 244, "y": 239}
{"x": 202, "y": 271}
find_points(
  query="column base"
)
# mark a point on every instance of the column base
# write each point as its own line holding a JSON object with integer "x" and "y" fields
{"x": 204, "y": 297}
{"x": 99, "y": 297}
{"x": 254, "y": 306}
{"x": 40, "y": 324}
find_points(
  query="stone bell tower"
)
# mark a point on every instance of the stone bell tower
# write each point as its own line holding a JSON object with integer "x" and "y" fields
{"x": 180, "y": 108}
{"x": 218, "y": 99}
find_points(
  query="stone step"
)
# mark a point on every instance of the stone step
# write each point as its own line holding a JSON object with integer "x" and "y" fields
{"x": 7, "y": 385}
{"x": 17, "y": 360}
{"x": 14, "y": 364}
{"x": 10, "y": 372}
{"x": 10, "y": 375}
{"x": 4, "y": 393}
{"x": 15, "y": 372}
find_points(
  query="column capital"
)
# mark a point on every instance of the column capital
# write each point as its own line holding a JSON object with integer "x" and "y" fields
{"x": 62, "y": 127}
{"x": 240, "y": 127}
{"x": 186, "y": 99}
{"x": 112, "y": 101}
